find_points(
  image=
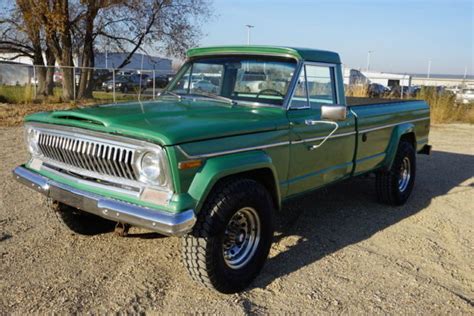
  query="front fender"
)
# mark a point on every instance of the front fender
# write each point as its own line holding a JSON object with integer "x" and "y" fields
{"x": 397, "y": 134}
{"x": 217, "y": 168}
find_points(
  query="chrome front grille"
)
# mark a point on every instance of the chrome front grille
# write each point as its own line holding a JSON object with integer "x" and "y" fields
{"x": 88, "y": 154}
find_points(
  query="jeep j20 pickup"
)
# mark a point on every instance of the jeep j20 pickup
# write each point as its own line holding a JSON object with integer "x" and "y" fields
{"x": 238, "y": 131}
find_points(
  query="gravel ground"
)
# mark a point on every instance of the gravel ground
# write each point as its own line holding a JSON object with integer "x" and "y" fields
{"x": 336, "y": 251}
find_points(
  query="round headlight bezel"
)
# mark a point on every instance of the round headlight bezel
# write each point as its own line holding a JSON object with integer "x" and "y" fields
{"x": 32, "y": 139}
{"x": 152, "y": 168}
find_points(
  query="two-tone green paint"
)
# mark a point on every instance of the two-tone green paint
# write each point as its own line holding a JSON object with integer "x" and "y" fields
{"x": 235, "y": 139}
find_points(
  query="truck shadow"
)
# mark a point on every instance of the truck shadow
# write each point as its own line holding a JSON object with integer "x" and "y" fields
{"x": 321, "y": 223}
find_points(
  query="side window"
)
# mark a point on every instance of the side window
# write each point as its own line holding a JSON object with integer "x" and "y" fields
{"x": 300, "y": 96}
{"x": 320, "y": 85}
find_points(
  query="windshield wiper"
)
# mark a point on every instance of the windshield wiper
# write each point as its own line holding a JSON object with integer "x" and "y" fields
{"x": 217, "y": 97}
{"x": 170, "y": 93}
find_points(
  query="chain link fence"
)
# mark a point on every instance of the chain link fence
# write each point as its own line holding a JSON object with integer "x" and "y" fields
{"x": 20, "y": 83}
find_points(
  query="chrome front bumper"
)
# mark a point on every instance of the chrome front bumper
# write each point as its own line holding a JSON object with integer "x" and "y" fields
{"x": 115, "y": 210}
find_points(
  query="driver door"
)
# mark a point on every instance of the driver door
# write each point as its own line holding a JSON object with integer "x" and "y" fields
{"x": 312, "y": 167}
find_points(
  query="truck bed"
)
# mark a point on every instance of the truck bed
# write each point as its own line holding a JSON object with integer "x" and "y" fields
{"x": 377, "y": 120}
{"x": 361, "y": 101}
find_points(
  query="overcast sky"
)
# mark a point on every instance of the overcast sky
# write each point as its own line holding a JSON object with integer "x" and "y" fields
{"x": 404, "y": 35}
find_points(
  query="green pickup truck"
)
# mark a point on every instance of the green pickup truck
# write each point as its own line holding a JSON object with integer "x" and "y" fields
{"x": 239, "y": 131}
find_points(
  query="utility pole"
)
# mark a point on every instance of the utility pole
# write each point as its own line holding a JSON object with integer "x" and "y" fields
{"x": 368, "y": 59}
{"x": 429, "y": 69}
{"x": 248, "y": 26}
{"x": 464, "y": 78}
{"x": 106, "y": 64}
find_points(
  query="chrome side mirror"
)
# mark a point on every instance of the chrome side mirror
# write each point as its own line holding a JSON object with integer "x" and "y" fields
{"x": 334, "y": 112}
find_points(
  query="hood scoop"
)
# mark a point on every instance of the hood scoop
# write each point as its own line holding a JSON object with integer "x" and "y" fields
{"x": 78, "y": 117}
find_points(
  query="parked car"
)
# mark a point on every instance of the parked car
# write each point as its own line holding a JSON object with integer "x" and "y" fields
{"x": 465, "y": 96}
{"x": 413, "y": 91}
{"x": 204, "y": 85}
{"x": 100, "y": 76}
{"x": 161, "y": 80}
{"x": 125, "y": 84}
{"x": 376, "y": 90}
{"x": 215, "y": 168}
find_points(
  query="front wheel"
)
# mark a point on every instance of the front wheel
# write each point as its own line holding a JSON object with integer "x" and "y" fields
{"x": 232, "y": 237}
{"x": 395, "y": 185}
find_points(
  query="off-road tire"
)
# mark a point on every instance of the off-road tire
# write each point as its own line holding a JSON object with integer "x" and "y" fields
{"x": 80, "y": 222}
{"x": 203, "y": 247}
{"x": 387, "y": 181}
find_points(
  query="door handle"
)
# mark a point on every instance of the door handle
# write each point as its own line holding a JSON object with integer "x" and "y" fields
{"x": 311, "y": 122}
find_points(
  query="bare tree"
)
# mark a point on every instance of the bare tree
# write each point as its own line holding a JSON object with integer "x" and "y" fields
{"x": 21, "y": 33}
{"x": 61, "y": 28}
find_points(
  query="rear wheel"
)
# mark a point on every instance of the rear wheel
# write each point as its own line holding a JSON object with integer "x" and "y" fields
{"x": 232, "y": 237}
{"x": 79, "y": 222}
{"x": 395, "y": 185}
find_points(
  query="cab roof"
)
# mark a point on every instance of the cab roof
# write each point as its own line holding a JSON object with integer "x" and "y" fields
{"x": 303, "y": 54}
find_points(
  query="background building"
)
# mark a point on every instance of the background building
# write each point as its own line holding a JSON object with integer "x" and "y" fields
{"x": 138, "y": 61}
{"x": 354, "y": 76}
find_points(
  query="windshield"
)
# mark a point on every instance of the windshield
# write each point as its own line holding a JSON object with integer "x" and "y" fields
{"x": 251, "y": 79}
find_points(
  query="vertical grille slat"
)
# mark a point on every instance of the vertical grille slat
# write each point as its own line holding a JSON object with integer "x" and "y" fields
{"x": 90, "y": 155}
{"x": 94, "y": 150}
{"x": 116, "y": 163}
{"x": 56, "y": 150}
{"x": 121, "y": 164}
{"x": 128, "y": 158}
{"x": 64, "y": 152}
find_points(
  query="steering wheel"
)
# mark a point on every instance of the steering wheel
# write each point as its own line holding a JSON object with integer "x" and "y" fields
{"x": 276, "y": 92}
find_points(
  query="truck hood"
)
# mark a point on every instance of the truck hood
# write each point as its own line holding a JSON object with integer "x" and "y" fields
{"x": 170, "y": 122}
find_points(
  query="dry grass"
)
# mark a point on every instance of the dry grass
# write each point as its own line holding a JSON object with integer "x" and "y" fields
{"x": 444, "y": 108}
{"x": 443, "y": 105}
{"x": 13, "y": 114}
{"x": 18, "y": 101}
{"x": 16, "y": 94}
{"x": 358, "y": 90}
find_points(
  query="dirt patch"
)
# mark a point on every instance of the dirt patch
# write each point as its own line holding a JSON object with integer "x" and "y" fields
{"x": 335, "y": 251}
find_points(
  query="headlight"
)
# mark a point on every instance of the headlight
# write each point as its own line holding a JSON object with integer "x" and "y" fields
{"x": 118, "y": 84}
{"x": 152, "y": 168}
{"x": 32, "y": 137}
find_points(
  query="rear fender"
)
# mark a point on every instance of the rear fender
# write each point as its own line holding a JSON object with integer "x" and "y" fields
{"x": 397, "y": 134}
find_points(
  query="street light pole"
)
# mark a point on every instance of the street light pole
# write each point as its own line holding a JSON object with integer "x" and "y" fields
{"x": 429, "y": 69}
{"x": 248, "y": 26}
{"x": 368, "y": 59}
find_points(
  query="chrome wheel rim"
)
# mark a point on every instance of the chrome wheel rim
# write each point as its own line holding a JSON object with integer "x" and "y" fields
{"x": 405, "y": 175}
{"x": 241, "y": 238}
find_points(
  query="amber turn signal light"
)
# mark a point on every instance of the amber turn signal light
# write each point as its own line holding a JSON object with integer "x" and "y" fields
{"x": 189, "y": 164}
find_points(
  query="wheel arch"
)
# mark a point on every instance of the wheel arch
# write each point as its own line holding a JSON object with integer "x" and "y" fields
{"x": 256, "y": 165}
{"x": 402, "y": 132}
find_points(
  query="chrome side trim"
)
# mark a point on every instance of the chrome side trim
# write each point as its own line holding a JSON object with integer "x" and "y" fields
{"x": 391, "y": 125}
{"x": 220, "y": 153}
{"x": 232, "y": 151}
{"x": 321, "y": 138}
{"x": 159, "y": 221}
